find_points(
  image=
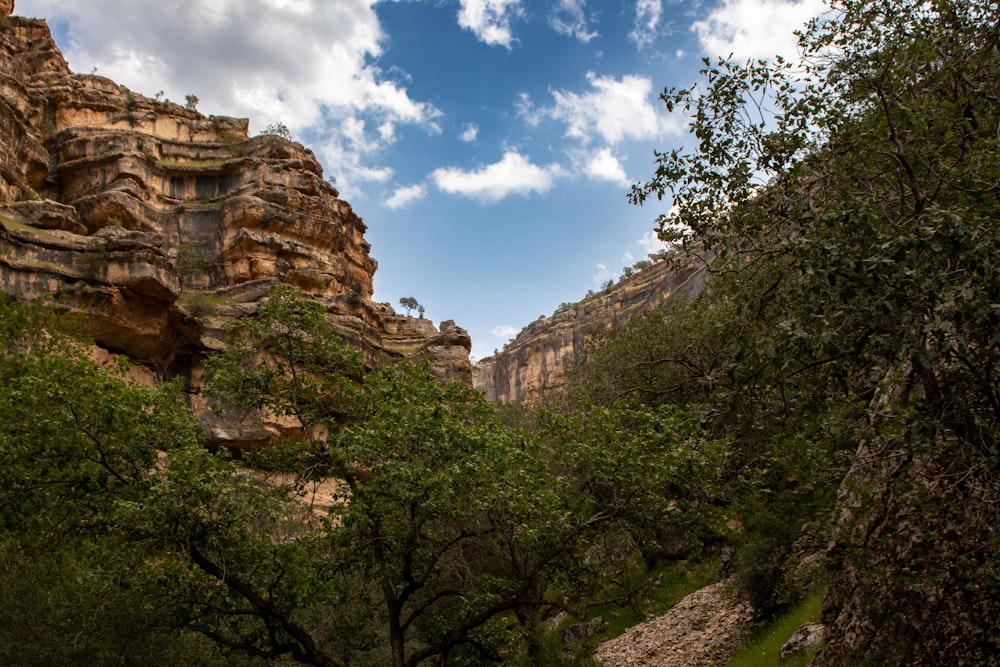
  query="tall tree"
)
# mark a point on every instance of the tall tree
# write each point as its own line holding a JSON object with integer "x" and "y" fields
{"x": 852, "y": 200}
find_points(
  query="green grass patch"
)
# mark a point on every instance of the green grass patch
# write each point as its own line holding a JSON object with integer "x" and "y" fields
{"x": 38, "y": 266}
{"x": 764, "y": 648}
{"x": 14, "y": 225}
{"x": 10, "y": 223}
{"x": 213, "y": 299}
{"x": 676, "y": 581}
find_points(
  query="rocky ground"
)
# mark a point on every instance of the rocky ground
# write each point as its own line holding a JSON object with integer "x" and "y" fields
{"x": 702, "y": 629}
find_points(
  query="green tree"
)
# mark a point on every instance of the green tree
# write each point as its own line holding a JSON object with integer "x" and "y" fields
{"x": 859, "y": 180}
{"x": 850, "y": 199}
{"x": 288, "y": 361}
{"x": 447, "y": 525}
{"x": 409, "y": 303}
{"x": 80, "y": 448}
{"x": 465, "y": 525}
{"x": 276, "y": 129}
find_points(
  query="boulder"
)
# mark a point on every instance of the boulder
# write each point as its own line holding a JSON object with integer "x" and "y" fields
{"x": 807, "y": 637}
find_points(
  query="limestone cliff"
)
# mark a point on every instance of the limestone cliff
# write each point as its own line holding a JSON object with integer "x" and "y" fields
{"x": 160, "y": 225}
{"x": 535, "y": 366}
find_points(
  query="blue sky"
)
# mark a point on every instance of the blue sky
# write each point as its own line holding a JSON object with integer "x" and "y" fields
{"x": 488, "y": 144}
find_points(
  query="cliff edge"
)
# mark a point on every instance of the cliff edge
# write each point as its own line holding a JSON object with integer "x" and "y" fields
{"x": 159, "y": 225}
{"x": 535, "y": 366}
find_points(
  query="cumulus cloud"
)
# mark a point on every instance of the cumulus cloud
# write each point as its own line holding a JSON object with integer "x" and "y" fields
{"x": 613, "y": 109}
{"x": 469, "y": 132}
{"x": 569, "y": 18}
{"x": 755, "y": 28}
{"x": 405, "y": 196}
{"x": 504, "y": 331}
{"x": 651, "y": 243}
{"x": 309, "y": 64}
{"x": 490, "y": 20}
{"x": 602, "y": 275}
{"x": 647, "y": 22}
{"x": 513, "y": 174}
{"x": 602, "y": 165}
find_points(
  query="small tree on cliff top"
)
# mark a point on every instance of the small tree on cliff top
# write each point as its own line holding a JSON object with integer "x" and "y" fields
{"x": 409, "y": 303}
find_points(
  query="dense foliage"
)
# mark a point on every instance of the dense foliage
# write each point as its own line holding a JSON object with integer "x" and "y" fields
{"x": 447, "y": 534}
{"x": 850, "y": 202}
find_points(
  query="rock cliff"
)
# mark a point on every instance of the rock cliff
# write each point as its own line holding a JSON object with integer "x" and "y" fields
{"x": 914, "y": 552}
{"x": 535, "y": 366}
{"x": 159, "y": 224}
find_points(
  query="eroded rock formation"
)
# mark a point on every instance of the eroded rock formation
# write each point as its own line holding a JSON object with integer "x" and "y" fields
{"x": 535, "y": 366}
{"x": 160, "y": 225}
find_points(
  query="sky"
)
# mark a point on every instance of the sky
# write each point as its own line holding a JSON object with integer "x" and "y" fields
{"x": 489, "y": 145}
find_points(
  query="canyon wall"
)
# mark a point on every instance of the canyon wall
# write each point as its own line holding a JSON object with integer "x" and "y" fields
{"x": 160, "y": 225}
{"x": 535, "y": 366}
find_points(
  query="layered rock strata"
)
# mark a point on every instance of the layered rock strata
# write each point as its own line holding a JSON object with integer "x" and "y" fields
{"x": 160, "y": 225}
{"x": 535, "y": 366}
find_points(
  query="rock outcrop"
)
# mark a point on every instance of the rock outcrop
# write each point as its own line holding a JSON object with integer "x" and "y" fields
{"x": 535, "y": 366}
{"x": 159, "y": 225}
{"x": 915, "y": 557}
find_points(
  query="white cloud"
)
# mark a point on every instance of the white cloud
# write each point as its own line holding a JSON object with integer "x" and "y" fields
{"x": 490, "y": 20}
{"x": 306, "y": 63}
{"x": 614, "y": 109}
{"x": 405, "y": 196}
{"x": 469, "y": 132}
{"x": 603, "y": 165}
{"x": 569, "y": 18}
{"x": 504, "y": 331}
{"x": 755, "y": 28}
{"x": 526, "y": 109}
{"x": 602, "y": 275}
{"x": 651, "y": 243}
{"x": 647, "y": 21}
{"x": 513, "y": 174}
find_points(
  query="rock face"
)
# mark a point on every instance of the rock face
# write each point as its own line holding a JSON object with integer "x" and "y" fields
{"x": 535, "y": 366}
{"x": 807, "y": 637}
{"x": 160, "y": 225}
{"x": 916, "y": 551}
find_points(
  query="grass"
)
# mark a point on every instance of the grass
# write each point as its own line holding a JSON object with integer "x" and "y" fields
{"x": 763, "y": 649}
{"x": 676, "y": 580}
{"x": 213, "y": 299}
{"x": 14, "y": 225}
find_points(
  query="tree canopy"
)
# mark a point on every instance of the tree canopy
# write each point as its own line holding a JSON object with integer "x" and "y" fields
{"x": 448, "y": 535}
